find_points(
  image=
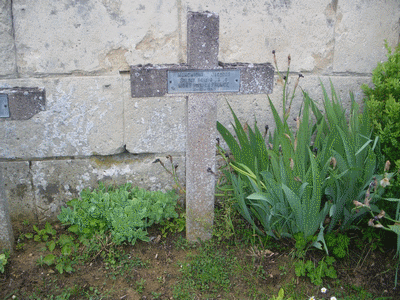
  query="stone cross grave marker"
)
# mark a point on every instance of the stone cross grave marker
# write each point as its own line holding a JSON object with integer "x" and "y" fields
{"x": 6, "y": 232}
{"x": 199, "y": 80}
{"x": 17, "y": 103}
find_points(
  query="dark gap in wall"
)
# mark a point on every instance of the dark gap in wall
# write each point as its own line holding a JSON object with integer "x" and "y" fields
{"x": 13, "y": 36}
{"x": 335, "y": 5}
{"x": 33, "y": 189}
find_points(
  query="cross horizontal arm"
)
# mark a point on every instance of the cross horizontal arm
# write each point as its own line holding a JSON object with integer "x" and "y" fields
{"x": 151, "y": 80}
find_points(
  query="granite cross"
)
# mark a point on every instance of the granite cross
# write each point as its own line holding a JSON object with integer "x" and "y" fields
{"x": 199, "y": 80}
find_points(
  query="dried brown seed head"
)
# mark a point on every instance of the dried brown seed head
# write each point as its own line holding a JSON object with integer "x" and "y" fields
{"x": 291, "y": 163}
{"x": 387, "y": 166}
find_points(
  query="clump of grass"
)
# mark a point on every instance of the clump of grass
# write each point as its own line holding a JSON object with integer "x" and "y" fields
{"x": 208, "y": 272}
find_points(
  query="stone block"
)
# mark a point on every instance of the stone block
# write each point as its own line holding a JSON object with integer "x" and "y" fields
{"x": 58, "y": 181}
{"x": 18, "y": 190}
{"x": 154, "y": 125}
{"x": 83, "y": 116}
{"x": 6, "y": 232}
{"x": 83, "y": 37}
{"x": 7, "y": 49}
{"x": 360, "y": 31}
{"x": 250, "y": 30}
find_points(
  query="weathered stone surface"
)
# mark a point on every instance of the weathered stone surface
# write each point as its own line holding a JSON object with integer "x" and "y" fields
{"x": 360, "y": 31}
{"x": 7, "y": 49}
{"x": 155, "y": 125}
{"x": 6, "y": 232}
{"x": 321, "y": 36}
{"x": 200, "y": 165}
{"x": 83, "y": 116}
{"x": 56, "y": 182}
{"x": 106, "y": 36}
{"x": 93, "y": 36}
{"x": 203, "y": 36}
{"x": 18, "y": 182}
{"x": 151, "y": 81}
{"x": 250, "y": 30}
{"x": 38, "y": 191}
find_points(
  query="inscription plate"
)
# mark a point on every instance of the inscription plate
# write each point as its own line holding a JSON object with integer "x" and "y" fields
{"x": 203, "y": 81}
{"x": 4, "y": 108}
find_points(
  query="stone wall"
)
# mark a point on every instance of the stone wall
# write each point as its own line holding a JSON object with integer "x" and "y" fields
{"x": 79, "y": 52}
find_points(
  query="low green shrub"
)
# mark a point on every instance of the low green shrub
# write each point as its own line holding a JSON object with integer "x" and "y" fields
{"x": 383, "y": 103}
{"x": 125, "y": 212}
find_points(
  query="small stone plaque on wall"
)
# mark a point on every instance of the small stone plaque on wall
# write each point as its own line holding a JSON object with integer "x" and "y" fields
{"x": 21, "y": 103}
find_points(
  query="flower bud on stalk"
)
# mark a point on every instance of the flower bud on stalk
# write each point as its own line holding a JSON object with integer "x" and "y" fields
{"x": 379, "y": 216}
{"x": 371, "y": 223}
{"x": 158, "y": 161}
{"x": 273, "y": 52}
{"x": 170, "y": 158}
{"x": 357, "y": 203}
{"x": 297, "y": 81}
{"x": 297, "y": 119}
{"x": 266, "y": 130}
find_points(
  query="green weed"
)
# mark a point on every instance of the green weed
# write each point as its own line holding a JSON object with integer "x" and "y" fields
{"x": 43, "y": 235}
{"x": 338, "y": 244}
{"x": 140, "y": 285}
{"x": 316, "y": 272}
{"x": 175, "y": 225}
{"x": 281, "y": 296}
{"x": 4, "y": 260}
{"x": 208, "y": 272}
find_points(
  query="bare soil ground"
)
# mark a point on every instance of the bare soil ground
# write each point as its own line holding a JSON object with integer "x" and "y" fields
{"x": 153, "y": 270}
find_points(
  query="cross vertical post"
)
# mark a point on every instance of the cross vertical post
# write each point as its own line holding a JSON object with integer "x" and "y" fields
{"x": 6, "y": 232}
{"x": 203, "y": 44}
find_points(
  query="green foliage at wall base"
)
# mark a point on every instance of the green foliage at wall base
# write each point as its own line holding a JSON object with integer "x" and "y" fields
{"x": 125, "y": 212}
